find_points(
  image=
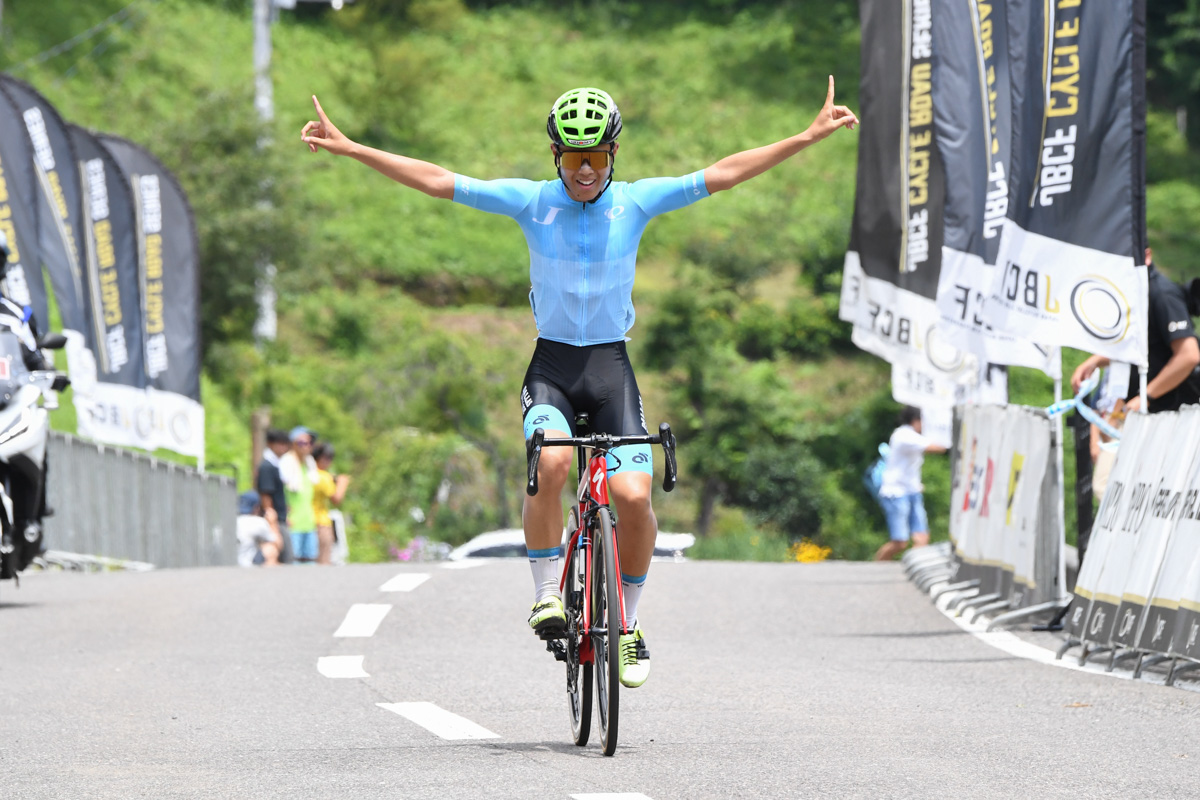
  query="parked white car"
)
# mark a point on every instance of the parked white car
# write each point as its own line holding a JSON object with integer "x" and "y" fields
{"x": 510, "y": 543}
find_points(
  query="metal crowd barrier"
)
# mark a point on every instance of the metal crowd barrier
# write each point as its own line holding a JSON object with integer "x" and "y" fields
{"x": 114, "y": 503}
{"x": 1004, "y": 562}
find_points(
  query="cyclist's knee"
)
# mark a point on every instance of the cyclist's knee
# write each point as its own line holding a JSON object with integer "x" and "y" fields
{"x": 631, "y": 490}
{"x": 554, "y": 467}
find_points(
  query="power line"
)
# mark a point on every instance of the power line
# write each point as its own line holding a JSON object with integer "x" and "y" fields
{"x": 79, "y": 38}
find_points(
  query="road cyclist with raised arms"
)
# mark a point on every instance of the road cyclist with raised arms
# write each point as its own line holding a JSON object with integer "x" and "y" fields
{"x": 583, "y": 230}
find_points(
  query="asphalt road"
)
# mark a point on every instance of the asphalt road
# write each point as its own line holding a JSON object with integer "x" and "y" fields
{"x": 769, "y": 680}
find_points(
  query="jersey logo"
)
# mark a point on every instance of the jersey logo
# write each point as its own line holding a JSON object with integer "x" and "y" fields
{"x": 550, "y": 218}
{"x": 615, "y": 212}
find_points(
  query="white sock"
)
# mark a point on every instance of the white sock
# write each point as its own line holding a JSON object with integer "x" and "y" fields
{"x": 546, "y": 573}
{"x": 631, "y": 587}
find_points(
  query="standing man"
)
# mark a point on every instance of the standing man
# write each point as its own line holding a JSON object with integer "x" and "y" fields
{"x": 269, "y": 485}
{"x": 902, "y": 494}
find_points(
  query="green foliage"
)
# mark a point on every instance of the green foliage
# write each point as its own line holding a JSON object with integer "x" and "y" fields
{"x": 404, "y": 322}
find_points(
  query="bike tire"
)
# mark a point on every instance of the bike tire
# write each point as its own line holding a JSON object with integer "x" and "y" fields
{"x": 606, "y": 610}
{"x": 579, "y": 676}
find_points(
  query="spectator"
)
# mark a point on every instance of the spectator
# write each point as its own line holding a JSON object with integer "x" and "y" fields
{"x": 299, "y": 473}
{"x": 269, "y": 485}
{"x": 258, "y": 537}
{"x": 329, "y": 490}
{"x": 1174, "y": 352}
{"x": 901, "y": 494}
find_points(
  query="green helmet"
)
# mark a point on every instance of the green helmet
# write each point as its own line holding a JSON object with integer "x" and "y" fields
{"x": 584, "y": 118}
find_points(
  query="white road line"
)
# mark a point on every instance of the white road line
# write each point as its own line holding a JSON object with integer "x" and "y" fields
{"x": 611, "y": 796}
{"x": 466, "y": 564}
{"x": 341, "y": 667}
{"x": 405, "y": 582}
{"x": 363, "y": 619}
{"x": 439, "y": 721}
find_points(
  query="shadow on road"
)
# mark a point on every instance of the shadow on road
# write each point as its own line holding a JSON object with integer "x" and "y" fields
{"x": 894, "y": 635}
{"x": 565, "y": 748}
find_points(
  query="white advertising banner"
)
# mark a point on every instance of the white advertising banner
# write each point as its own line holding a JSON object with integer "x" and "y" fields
{"x": 900, "y": 326}
{"x": 1089, "y": 299}
{"x": 1105, "y": 568}
{"x": 1177, "y": 435}
{"x": 145, "y": 418}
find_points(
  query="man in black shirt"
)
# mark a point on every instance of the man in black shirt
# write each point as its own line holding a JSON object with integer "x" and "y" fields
{"x": 269, "y": 485}
{"x": 1174, "y": 352}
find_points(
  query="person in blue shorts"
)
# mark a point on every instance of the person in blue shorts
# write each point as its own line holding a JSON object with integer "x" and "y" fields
{"x": 901, "y": 493}
{"x": 583, "y": 230}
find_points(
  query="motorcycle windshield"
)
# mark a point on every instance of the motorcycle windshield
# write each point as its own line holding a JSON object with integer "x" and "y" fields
{"x": 13, "y": 374}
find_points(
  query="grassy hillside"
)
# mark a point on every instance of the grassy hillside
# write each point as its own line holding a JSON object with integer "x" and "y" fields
{"x": 404, "y": 321}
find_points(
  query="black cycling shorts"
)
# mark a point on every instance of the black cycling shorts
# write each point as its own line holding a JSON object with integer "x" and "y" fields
{"x": 597, "y": 379}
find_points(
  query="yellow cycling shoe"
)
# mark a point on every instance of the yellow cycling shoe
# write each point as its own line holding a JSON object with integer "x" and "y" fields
{"x": 547, "y": 616}
{"x": 635, "y": 658}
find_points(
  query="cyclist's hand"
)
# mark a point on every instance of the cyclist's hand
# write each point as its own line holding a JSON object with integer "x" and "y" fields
{"x": 324, "y": 134}
{"x": 832, "y": 117}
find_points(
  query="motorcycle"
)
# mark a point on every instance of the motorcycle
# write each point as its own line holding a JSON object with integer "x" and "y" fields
{"x": 25, "y": 397}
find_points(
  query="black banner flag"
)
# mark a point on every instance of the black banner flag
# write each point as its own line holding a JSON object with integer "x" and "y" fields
{"x": 109, "y": 408}
{"x": 972, "y": 100}
{"x": 1068, "y": 269}
{"x": 18, "y": 214}
{"x": 168, "y": 257}
{"x": 60, "y": 207}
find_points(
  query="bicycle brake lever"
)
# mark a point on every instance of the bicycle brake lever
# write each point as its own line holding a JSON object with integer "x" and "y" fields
{"x": 533, "y": 454}
{"x": 668, "y": 446}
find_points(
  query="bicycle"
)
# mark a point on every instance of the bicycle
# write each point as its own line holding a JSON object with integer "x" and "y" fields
{"x": 591, "y": 579}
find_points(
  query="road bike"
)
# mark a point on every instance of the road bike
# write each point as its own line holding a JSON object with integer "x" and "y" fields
{"x": 591, "y": 579}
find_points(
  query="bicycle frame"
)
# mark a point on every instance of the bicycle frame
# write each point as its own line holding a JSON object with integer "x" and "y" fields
{"x": 591, "y": 494}
{"x": 596, "y": 620}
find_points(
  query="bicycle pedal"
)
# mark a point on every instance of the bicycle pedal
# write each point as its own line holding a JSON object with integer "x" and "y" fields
{"x": 557, "y": 648}
{"x": 551, "y": 634}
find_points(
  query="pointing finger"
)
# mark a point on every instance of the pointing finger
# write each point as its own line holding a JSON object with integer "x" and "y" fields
{"x": 829, "y": 97}
{"x": 321, "y": 111}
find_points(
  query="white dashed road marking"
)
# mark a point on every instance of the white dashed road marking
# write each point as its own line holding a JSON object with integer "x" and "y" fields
{"x": 468, "y": 564}
{"x": 439, "y": 721}
{"x": 341, "y": 667}
{"x": 363, "y": 619}
{"x": 405, "y": 582}
{"x": 611, "y": 796}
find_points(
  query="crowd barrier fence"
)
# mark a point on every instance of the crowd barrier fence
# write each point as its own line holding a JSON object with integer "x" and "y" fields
{"x": 1138, "y": 592}
{"x": 115, "y": 503}
{"x": 1005, "y": 561}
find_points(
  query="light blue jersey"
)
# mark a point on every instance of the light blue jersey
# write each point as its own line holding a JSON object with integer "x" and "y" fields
{"x": 581, "y": 256}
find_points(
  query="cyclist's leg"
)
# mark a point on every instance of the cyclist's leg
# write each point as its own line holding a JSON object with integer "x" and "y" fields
{"x": 545, "y": 406}
{"x": 631, "y": 469}
{"x": 631, "y": 474}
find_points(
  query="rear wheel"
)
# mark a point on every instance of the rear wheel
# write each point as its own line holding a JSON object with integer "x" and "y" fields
{"x": 606, "y": 627}
{"x": 579, "y": 676}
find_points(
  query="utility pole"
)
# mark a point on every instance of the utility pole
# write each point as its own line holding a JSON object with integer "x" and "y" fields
{"x": 264, "y": 103}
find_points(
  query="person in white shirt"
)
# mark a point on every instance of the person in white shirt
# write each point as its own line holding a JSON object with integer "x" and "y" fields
{"x": 902, "y": 494}
{"x": 258, "y": 539}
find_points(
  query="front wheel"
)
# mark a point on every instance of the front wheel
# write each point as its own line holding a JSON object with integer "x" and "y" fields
{"x": 579, "y": 675}
{"x": 606, "y": 627}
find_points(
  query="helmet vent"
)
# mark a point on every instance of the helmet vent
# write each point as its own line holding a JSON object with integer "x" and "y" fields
{"x": 591, "y": 131}
{"x": 570, "y": 131}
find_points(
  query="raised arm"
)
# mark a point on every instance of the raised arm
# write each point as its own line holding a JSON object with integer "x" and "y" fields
{"x": 739, "y": 167}
{"x": 429, "y": 178}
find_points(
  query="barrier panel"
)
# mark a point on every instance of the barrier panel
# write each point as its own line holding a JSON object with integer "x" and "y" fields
{"x": 1006, "y": 551}
{"x": 1139, "y": 586}
{"x": 121, "y": 504}
{"x": 1004, "y": 521}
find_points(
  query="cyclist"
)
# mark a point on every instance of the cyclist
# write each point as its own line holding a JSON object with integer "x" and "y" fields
{"x": 583, "y": 231}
